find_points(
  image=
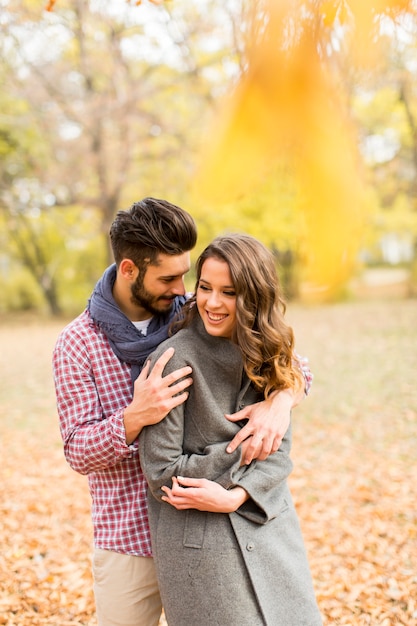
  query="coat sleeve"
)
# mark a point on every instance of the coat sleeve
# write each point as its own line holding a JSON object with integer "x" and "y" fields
{"x": 161, "y": 450}
{"x": 265, "y": 482}
{"x": 162, "y": 456}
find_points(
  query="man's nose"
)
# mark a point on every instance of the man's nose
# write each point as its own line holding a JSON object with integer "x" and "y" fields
{"x": 178, "y": 287}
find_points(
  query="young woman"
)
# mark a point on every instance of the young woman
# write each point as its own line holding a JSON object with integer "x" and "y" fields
{"x": 226, "y": 539}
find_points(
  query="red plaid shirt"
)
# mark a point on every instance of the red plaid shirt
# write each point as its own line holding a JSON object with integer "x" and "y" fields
{"x": 93, "y": 388}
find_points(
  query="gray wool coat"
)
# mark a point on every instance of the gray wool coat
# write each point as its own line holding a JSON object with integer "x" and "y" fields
{"x": 247, "y": 568}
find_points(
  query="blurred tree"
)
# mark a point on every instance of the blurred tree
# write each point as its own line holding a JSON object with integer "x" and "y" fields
{"x": 112, "y": 108}
{"x": 108, "y": 102}
{"x": 23, "y": 237}
{"x": 96, "y": 98}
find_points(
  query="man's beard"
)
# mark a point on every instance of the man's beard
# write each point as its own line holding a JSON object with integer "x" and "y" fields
{"x": 146, "y": 300}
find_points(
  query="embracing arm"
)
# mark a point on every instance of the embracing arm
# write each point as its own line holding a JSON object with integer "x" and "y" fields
{"x": 162, "y": 456}
{"x": 165, "y": 457}
{"x": 204, "y": 495}
{"x": 210, "y": 479}
{"x": 96, "y": 425}
{"x": 92, "y": 440}
{"x": 255, "y": 492}
{"x": 268, "y": 420}
{"x": 155, "y": 395}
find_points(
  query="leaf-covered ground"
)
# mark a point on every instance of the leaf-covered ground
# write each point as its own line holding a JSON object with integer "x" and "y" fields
{"x": 354, "y": 480}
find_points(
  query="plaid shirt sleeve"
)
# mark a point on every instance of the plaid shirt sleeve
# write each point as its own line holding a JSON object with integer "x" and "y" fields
{"x": 306, "y": 372}
{"x": 92, "y": 390}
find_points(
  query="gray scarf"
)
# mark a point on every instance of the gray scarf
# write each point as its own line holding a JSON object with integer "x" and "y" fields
{"x": 127, "y": 342}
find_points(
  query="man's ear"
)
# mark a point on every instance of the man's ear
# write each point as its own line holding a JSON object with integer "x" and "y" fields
{"x": 128, "y": 270}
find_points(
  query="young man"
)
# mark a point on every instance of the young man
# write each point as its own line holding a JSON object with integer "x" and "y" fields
{"x": 106, "y": 395}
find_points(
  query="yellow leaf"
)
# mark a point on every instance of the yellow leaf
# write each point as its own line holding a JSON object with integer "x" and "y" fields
{"x": 329, "y": 11}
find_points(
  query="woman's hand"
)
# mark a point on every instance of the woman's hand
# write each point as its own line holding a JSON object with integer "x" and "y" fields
{"x": 203, "y": 495}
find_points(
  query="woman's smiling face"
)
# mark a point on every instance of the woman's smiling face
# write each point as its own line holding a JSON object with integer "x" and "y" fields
{"x": 216, "y": 298}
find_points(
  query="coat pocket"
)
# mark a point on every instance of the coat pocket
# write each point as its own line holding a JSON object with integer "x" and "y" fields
{"x": 194, "y": 528}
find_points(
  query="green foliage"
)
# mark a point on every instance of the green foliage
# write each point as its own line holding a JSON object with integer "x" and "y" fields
{"x": 63, "y": 256}
{"x": 79, "y": 272}
{"x": 19, "y": 291}
{"x": 79, "y": 255}
{"x": 269, "y": 215}
{"x": 101, "y": 107}
{"x": 386, "y": 114}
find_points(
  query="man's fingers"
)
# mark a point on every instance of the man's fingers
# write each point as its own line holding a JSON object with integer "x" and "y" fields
{"x": 158, "y": 368}
{"x": 253, "y": 450}
{"x": 240, "y": 436}
{"x": 240, "y": 415}
{"x": 144, "y": 371}
{"x": 177, "y": 400}
{"x": 277, "y": 442}
{"x": 171, "y": 378}
{"x": 179, "y": 386}
{"x": 260, "y": 449}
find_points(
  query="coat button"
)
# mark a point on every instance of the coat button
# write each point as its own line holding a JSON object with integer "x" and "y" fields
{"x": 250, "y": 547}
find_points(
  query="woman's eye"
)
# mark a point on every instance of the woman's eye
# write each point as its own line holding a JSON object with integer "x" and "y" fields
{"x": 203, "y": 287}
{"x": 230, "y": 293}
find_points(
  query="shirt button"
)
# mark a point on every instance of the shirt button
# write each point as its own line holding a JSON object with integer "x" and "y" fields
{"x": 250, "y": 547}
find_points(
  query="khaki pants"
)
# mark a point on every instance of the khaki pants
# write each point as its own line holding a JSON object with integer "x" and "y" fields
{"x": 125, "y": 589}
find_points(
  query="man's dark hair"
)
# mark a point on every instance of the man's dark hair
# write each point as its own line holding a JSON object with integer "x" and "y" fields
{"x": 151, "y": 227}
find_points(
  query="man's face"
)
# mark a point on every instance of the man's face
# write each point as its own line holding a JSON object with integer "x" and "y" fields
{"x": 156, "y": 291}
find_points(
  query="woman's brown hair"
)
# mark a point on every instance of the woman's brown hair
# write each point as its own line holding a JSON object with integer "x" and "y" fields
{"x": 263, "y": 336}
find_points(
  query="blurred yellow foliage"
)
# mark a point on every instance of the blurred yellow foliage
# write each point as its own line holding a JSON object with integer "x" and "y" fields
{"x": 288, "y": 114}
{"x": 289, "y": 106}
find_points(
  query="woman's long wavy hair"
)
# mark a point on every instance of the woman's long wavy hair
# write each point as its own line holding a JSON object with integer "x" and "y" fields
{"x": 266, "y": 341}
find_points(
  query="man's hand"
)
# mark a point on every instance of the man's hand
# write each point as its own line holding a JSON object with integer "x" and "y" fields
{"x": 268, "y": 422}
{"x": 155, "y": 395}
{"x": 203, "y": 495}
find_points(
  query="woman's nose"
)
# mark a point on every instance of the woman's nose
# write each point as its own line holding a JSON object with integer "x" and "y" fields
{"x": 213, "y": 299}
